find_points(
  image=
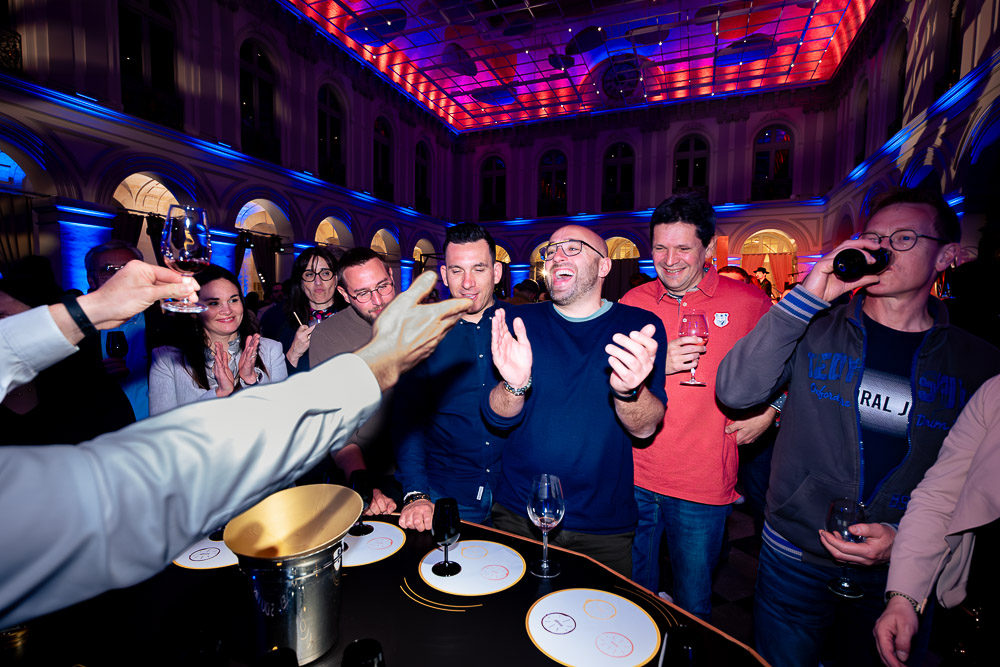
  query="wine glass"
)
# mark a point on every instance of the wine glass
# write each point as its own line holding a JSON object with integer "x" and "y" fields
{"x": 361, "y": 482}
{"x": 843, "y": 514}
{"x": 445, "y": 528}
{"x": 186, "y": 249}
{"x": 694, "y": 323}
{"x": 546, "y": 507}
{"x": 116, "y": 345}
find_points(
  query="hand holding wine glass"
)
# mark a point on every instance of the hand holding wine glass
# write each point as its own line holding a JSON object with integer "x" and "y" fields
{"x": 843, "y": 514}
{"x": 546, "y": 507}
{"x": 445, "y": 529}
{"x": 694, "y": 323}
{"x": 186, "y": 249}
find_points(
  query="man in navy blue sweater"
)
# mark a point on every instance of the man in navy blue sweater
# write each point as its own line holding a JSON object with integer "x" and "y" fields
{"x": 589, "y": 381}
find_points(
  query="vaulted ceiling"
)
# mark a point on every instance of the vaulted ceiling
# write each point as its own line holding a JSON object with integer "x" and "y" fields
{"x": 477, "y": 64}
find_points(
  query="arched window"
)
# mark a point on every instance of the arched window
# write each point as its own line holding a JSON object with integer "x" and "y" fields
{"x": 861, "y": 126}
{"x": 258, "y": 127}
{"x": 552, "y": 184}
{"x": 772, "y": 172}
{"x": 956, "y": 25}
{"x": 421, "y": 178}
{"x": 619, "y": 179}
{"x": 331, "y": 138}
{"x": 691, "y": 166}
{"x": 493, "y": 196}
{"x": 146, "y": 56}
{"x": 382, "y": 162}
{"x": 897, "y": 87}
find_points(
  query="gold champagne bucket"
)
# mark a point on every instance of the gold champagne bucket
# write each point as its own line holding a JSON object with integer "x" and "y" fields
{"x": 289, "y": 545}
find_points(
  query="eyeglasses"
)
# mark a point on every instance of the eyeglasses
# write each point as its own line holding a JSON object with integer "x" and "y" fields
{"x": 364, "y": 296}
{"x": 111, "y": 269}
{"x": 570, "y": 248}
{"x": 326, "y": 275}
{"x": 901, "y": 239}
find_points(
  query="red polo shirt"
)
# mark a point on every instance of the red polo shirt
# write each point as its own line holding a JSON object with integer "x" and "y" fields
{"x": 691, "y": 457}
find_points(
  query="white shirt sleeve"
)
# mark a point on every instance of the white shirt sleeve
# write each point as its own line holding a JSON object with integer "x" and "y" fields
{"x": 30, "y": 342}
{"x": 116, "y": 510}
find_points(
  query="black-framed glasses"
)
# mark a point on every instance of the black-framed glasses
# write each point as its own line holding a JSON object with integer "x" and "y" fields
{"x": 901, "y": 239}
{"x": 111, "y": 269}
{"x": 326, "y": 275}
{"x": 569, "y": 247}
{"x": 364, "y": 296}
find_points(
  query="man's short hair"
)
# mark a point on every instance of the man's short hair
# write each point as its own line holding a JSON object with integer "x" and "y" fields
{"x": 528, "y": 285}
{"x": 469, "y": 232}
{"x": 90, "y": 259}
{"x": 689, "y": 208}
{"x": 946, "y": 224}
{"x": 355, "y": 257}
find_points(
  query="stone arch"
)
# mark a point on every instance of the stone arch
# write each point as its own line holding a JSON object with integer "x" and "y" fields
{"x": 178, "y": 180}
{"x": 43, "y": 171}
{"x": 926, "y": 163}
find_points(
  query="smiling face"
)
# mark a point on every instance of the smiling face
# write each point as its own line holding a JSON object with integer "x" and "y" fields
{"x": 574, "y": 282}
{"x": 911, "y": 272}
{"x": 367, "y": 277}
{"x": 469, "y": 271}
{"x": 319, "y": 292}
{"x": 224, "y": 312}
{"x": 679, "y": 256}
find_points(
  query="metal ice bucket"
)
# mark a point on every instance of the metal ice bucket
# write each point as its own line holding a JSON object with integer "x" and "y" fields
{"x": 289, "y": 545}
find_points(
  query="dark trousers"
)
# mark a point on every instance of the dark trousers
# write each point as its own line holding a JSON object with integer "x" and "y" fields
{"x": 614, "y": 551}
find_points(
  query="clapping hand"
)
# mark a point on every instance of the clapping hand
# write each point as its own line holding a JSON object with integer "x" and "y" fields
{"x": 221, "y": 371}
{"x": 511, "y": 353}
{"x": 248, "y": 360}
{"x": 631, "y": 359}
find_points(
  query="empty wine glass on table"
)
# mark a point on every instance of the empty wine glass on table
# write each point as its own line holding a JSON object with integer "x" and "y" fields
{"x": 843, "y": 514}
{"x": 361, "y": 482}
{"x": 694, "y": 323}
{"x": 445, "y": 529}
{"x": 546, "y": 507}
{"x": 116, "y": 345}
{"x": 186, "y": 249}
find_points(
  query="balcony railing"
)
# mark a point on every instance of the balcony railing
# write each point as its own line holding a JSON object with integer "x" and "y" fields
{"x": 10, "y": 51}
{"x": 548, "y": 206}
{"x": 617, "y": 201}
{"x": 152, "y": 104}
{"x": 775, "y": 188}
{"x": 334, "y": 171}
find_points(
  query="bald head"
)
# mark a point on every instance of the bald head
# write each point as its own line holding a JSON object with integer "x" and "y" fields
{"x": 582, "y": 234}
{"x": 575, "y": 272}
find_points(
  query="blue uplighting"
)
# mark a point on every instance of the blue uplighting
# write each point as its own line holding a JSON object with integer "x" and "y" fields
{"x": 405, "y": 274}
{"x": 85, "y": 211}
{"x": 859, "y": 172}
{"x": 728, "y": 208}
{"x": 956, "y": 200}
{"x": 75, "y": 239}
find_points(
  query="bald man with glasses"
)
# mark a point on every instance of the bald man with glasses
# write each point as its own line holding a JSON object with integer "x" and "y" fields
{"x": 583, "y": 381}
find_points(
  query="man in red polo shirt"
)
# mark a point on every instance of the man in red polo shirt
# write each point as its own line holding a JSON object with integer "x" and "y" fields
{"x": 685, "y": 481}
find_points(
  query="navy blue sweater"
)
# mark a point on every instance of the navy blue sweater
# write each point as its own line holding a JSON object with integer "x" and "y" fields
{"x": 568, "y": 426}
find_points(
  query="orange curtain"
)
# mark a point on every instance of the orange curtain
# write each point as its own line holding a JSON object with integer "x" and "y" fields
{"x": 781, "y": 272}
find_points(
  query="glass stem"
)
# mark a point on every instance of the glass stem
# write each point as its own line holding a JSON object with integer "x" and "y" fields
{"x": 545, "y": 549}
{"x": 693, "y": 378}
{"x": 446, "y": 553}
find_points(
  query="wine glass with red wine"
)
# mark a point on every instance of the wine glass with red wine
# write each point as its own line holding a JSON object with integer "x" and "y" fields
{"x": 186, "y": 249}
{"x": 694, "y": 323}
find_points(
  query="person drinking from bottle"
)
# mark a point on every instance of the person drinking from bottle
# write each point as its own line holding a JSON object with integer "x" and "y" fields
{"x": 874, "y": 385}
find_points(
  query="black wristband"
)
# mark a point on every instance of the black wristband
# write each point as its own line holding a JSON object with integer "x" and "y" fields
{"x": 629, "y": 397}
{"x": 79, "y": 317}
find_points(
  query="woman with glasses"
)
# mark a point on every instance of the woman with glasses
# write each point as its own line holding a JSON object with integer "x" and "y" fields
{"x": 312, "y": 299}
{"x": 219, "y": 353}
